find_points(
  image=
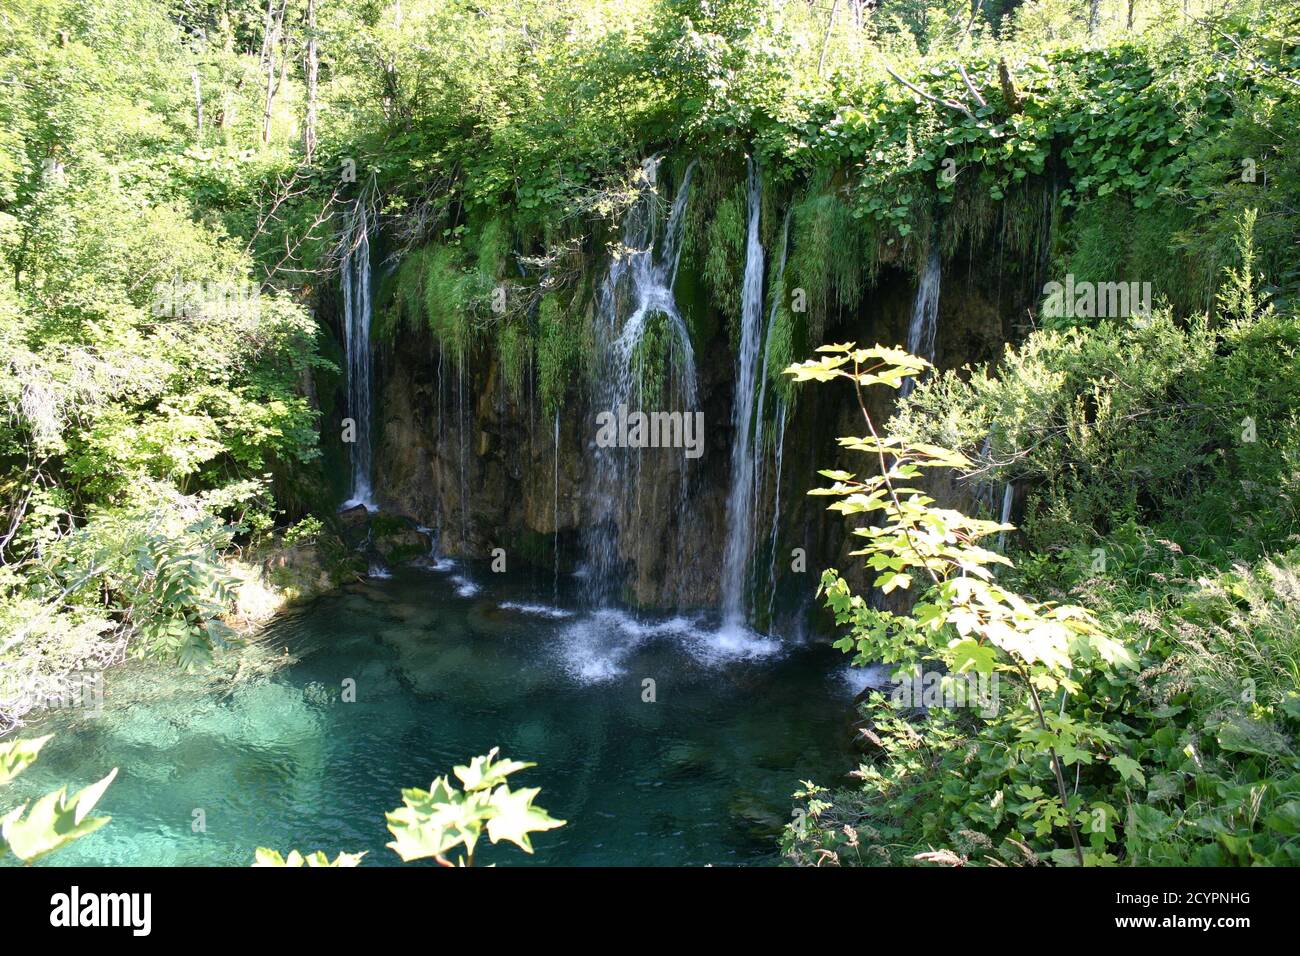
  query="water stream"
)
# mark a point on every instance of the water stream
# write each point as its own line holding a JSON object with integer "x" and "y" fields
{"x": 925, "y": 313}
{"x": 778, "y": 434}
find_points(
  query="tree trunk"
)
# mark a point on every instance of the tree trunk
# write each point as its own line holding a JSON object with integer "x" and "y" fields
{"x": 270, "y": 40}
{"x": 198, "y": 103}
{"x": 1009, "y": 94}
{"x": 312, "y": 66}
{"x": 826, "y": 37}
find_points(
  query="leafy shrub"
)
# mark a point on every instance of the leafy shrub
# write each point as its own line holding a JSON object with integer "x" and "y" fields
{"x": 1187, "y": 428}
{"x": 1159, "y": 464}
{"x": 966, "y": 622}
{"x": 305, "y": 531}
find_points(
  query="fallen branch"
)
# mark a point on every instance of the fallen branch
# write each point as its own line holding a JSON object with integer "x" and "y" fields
{"x": 951, "y": 104}
{"x": 975, "y": 94}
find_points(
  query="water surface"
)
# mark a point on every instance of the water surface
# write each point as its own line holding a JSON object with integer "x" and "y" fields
{"x": 448, "y": 663}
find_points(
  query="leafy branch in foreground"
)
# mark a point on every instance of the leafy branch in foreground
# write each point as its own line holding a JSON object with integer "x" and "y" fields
{"x": 265, "y": 857}
{"x": 433, "y": 822}
{"x": 962, "y": 618}
{"x": 54, "y": 820}
{"x": 436, "y": 821}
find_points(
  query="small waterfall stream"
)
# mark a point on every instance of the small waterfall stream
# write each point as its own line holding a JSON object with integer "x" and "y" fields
{"x": 740, "y": 495}
{"x": 925, "y": 313}
{"x": 1008, "y": 499}
{"x": 555, "y": 510}
{"x": 759, "y": 436}
{"x": 460, "y": 436}
{"x": 778, "y": 458}
{"x": 778, "y": 436}
{"x": 358, "y": 300}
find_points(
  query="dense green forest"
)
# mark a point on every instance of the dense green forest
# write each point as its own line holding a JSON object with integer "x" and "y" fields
{"x": 183, "y": 183}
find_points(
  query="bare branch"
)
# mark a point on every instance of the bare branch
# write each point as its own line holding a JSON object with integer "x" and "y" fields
{"x": 826, "y": 37}
{"x": 975, "y": 94}
{"x": 951, "y": 104}
{"x": 1262, "y": 67}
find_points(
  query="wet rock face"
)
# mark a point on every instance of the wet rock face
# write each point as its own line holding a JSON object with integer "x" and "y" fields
{"x": 455, "y": 452}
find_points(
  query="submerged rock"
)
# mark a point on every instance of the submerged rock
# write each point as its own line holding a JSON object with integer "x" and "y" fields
{"x": 686, "y": 759}
{"x": 756, "y": 816}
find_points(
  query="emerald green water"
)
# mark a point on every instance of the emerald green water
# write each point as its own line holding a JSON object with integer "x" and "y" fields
{"x": 445, "y": 668}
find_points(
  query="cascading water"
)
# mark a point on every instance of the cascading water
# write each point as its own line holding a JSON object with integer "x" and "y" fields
{"x": 358, "y": 297}
{"x": 637, "y": 289}
{"x": 740, "y": 495}
{"x": 460, "y": 435}
{"x": 778, "y": 438}
{"x": 778, "y": 456}
{"x": 556, "y": 509}
{"x": 1008, "y": 499}
{"x": 762, "y": 375}
{"x": 925, "y": 313}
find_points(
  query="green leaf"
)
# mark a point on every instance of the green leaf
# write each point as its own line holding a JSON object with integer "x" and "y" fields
{"x": 484, "y": 773}
{"x": 17, "y": 755}
{"x": 969, "y": 654}
{"x": 265, "y": 857}
{"x": 53, "y": 821}
{"x": 1129, "y": 769}
{"x": 515, "y": 817}
{"x": 432, "y": 823}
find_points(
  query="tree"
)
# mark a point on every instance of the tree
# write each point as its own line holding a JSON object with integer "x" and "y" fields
{"x": 311, "y": 67}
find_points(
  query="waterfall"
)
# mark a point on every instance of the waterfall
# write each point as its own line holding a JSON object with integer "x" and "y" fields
{"x": 778, "y": 455}
{"x": 637, "y": 288}
{"x": 779, "y": 435}
{"x": 651, "y": 278}
{"x": 740, "y": 495}
{"x": 358, "y": 298}
{"x": 555, "y": 510}
{"x": 460, "y": 435}
{"x": 762, "y": 375}
{"x": 925, "y": 314}
{"x": 1008, "y": 498}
